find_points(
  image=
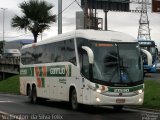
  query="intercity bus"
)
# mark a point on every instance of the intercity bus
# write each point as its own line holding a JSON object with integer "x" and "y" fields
{"x": 84, "y": 67}
{"x": 151, "y": 47}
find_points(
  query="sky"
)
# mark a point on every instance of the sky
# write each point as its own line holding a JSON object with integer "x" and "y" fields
{"x": 118, "y": 21}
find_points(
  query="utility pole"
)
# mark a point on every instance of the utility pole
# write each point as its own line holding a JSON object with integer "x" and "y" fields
{"x": 85, "y": 14}
{"x": 106, "y": 21}
{"x": 3, "y": 9}
{"x": 59, "y": 16}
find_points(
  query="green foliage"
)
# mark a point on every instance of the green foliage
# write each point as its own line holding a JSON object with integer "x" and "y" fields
{"x": 10, "y": 85}
{"x": 36, "y": 17}
{"x": 152, "y": 94}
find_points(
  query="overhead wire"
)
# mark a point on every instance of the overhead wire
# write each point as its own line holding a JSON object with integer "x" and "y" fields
{"x": 79, "y": 4}
{"x": 66, "y": 7}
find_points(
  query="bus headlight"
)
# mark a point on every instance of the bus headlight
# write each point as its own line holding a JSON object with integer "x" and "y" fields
{"x": 98, "y": 99}
{"x": 154, "y": 65}
{"x": 140, "y": 100}
{"x": 140, "y": 91}
{"x": 98, "y": 91}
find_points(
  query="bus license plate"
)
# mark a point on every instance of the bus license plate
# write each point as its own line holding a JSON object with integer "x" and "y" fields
{"x": 120, "y": 100}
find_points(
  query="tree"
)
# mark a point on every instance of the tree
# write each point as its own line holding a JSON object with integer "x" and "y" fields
{"x": 36, "y": 17}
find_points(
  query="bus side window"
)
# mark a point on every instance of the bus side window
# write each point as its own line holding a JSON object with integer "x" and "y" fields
{"x": 83, "y": 57}
{"x": 59, "y": 50}
{"x": 85, "y": 65}
{"x": 27, "y": 56}
{"x": 70, "y": 54}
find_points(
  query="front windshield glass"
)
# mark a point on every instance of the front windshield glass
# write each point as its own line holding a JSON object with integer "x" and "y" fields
{"x": 117, "y": 63}
{"x": 130, "y": 63}
{"x": 106, "y": 66}
{"x": 150, "y": 49}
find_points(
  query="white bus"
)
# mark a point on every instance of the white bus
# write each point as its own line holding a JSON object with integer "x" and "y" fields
{"x": 12, "y": 53}
{"x": 84, "y": 67}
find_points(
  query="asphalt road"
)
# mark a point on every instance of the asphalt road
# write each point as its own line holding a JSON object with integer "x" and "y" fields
{"x": 18, "y": 106}
{"x": 152, "y": 76}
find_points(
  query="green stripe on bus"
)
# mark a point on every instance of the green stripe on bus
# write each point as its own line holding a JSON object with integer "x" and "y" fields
{"x": 59, "y": 71}
{"x": 52, "y": 71}
{"x": 27, "y": 71}
{"x": 43, "y": 82}
{"x": 125, "y": 89}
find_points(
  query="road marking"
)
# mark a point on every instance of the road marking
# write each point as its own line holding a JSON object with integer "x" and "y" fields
{"x": 5, "y": 101}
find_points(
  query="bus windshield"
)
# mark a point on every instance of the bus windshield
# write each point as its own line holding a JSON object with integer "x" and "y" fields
{"x": 117, "y": 63}
{"x": 150, "y": 47}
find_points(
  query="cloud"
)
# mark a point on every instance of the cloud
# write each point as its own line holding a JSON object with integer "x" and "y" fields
{"x": 119, "y": 21}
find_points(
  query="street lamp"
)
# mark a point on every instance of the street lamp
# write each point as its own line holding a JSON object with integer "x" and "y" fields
{"x": 3, "y": 9}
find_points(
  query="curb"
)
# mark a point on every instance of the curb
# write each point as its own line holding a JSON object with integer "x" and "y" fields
{"x": 10, "y": 93}
{"x": 142, "y": 109}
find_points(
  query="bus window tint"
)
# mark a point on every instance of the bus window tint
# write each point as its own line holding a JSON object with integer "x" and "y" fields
{"x": 59, "y": 52}
{"x": 27, "y": 56}
{"x": 63, "y": 51}
{"x": 85, "y": 65}
{"x": 38, "y": 54}
{"x": 70, "y": 55}
{"x": 106, "y": 66}
{"x": 81, "y": 42}
{"x": 50, "y": 53}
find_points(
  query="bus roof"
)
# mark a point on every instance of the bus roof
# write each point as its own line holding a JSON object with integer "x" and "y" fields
{"x": 90, "y": 35}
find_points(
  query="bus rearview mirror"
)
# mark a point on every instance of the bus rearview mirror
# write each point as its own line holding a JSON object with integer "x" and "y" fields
{"x": 149, "y": 56}
{"x": 90, "y": 54}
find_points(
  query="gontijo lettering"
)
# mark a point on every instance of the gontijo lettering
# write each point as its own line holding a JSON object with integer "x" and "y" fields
{"x": 23, "y": 71}
{"x": 59, "y": 71}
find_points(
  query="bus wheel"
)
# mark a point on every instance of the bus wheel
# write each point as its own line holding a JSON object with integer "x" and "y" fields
{"x": 29, "y": 93}
{"x": 34, "y": 95}
{"x": 74, "y": 102}
{"x": 118, "y": 107}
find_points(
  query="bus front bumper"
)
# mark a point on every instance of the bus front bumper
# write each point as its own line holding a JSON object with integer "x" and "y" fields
{"x": 100, "y": 99}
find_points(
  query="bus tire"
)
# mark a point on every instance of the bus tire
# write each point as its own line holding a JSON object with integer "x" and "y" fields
{"x": 118, "y": 107}
{"x": 29, "y": 93}
{"x": 34, "y": 95}
{"x": 73, "y": 99}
